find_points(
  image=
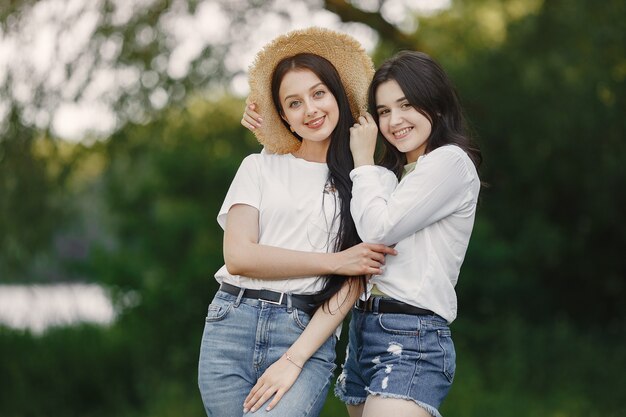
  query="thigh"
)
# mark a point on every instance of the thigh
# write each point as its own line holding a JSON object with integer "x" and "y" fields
{"x": 376, "y": 406}
{"x": 355, "y": 410}
{"x": 307, "y": 395}
{"x": 225, "y": 367}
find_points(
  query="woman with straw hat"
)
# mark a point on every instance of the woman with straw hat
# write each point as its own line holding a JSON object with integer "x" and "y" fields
{"x": 289, "y": 241}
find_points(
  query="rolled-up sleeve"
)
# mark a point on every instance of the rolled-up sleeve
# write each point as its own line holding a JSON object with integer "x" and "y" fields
{"x": 387, "y": 212}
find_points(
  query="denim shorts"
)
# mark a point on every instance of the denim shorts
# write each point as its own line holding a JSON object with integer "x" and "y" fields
{"x": 398, "y": 356}
{"x": 241, "y": 340}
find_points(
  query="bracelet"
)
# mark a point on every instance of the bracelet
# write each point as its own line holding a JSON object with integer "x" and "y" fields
{"x": 291, "y": 360}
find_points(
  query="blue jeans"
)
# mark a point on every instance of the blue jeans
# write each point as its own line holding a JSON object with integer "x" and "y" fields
{"x": 242, "y": 338}
{"x": 398, "y": 356}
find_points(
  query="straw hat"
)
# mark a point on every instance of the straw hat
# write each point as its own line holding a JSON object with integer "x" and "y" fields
{"x": 354, "y": 66}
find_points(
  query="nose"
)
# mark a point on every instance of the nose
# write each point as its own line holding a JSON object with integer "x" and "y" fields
{"x": 395, "y": 118}
{"x": 310, "y": 109}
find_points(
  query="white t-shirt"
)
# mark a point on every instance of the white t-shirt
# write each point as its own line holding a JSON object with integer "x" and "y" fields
{"x": 429, "y": 216}
{"x": 296, "y": 211}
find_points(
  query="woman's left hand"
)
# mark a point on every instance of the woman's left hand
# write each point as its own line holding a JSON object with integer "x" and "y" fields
{"x": 276, "y": 380}
{"x": 363, "y": 140}
{"x": 251, "y": 120}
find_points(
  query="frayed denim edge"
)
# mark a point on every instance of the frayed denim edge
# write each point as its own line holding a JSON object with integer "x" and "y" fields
{"x": 346, "y": 399}
{"x": 432, "y": 410}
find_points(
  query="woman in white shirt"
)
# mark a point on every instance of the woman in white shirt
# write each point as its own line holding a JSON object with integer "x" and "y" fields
{"x": 289, "y": 241}
{"x": 401, "y": 358}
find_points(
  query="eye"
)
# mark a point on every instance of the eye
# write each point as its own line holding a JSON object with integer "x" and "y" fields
{"x": 319, "y": 94}
{"x": 406, "y": 106}
{"x": 294, "y": 104}
{"x": 382, "y": 112}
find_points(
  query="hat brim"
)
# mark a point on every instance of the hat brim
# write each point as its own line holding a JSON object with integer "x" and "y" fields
{"x": 354, "y": 66}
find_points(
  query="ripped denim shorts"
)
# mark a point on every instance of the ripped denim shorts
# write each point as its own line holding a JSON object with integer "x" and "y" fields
{"x": 398, "y": 356}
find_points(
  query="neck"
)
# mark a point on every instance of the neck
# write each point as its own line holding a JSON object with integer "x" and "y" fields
{"x": 313, "y": 151}
{"x": 412, "y": 156}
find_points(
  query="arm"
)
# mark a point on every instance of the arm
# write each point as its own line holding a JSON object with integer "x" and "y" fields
{"x": 282, "y": 374}
{"x": 243, "y": 254}
{"x": 438, "y": 187}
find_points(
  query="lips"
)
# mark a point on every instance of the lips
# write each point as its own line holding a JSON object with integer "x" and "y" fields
{"x": 315, "y": 123}
{"x": 399, "y": 134}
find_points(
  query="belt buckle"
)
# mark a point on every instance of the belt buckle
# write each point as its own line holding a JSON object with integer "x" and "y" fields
{"x": 279, "y": 302}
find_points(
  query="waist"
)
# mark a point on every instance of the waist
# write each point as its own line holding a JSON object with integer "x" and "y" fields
{"x": 376, "y": 291}
{"x": 300, "y": 285}
{"x": 378, "y": 304}
{"x": 307, "y": 303}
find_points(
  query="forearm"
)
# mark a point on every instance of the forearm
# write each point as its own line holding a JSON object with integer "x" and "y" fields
{"x": 325, "y": 321}
{"x": 269, "y": 262}
{"x": 243, "y": 254}
{"x": 282, "y": 374}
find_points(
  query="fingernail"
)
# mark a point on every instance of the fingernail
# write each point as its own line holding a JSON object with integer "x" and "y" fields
{"x": 260, "y": 120}
{"x": 245, "y": 410}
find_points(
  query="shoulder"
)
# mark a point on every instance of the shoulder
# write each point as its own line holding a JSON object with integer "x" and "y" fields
{"x": 451, "y": 156}
{"x": 448, "y": 152}
{"x": 250, "y": 162}
{"x": 452, "y": 164}
{"x": 261, "y": 159}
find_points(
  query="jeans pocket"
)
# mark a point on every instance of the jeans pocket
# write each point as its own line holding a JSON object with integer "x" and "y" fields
{"x": 444, "y": 337}
{"x": 217, "y": 311}
{"x": 300, "y": 318}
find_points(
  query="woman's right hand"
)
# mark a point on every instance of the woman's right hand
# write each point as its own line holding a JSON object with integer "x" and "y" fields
{"x": 363, "y": 140}
{"x": 362, "y": 259}
{"x": 251, "y": 119}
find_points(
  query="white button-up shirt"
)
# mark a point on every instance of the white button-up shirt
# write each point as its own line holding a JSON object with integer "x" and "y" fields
{"x": 429, "y": 216}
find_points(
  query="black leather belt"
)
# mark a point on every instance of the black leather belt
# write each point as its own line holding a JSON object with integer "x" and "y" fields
{"x": 387, "y": 305}
{"x": 306, "y": 303}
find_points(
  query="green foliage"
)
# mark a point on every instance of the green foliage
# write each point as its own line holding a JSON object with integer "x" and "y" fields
{"x": 31, "y": 208}
{"x": 164, "y": 184}
{"x": 84, "y": 371}
{"x": 551, "y": 126}
{"x": 547, "y": 368}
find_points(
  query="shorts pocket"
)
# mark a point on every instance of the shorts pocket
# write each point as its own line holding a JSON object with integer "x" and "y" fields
{"x": 400, "y": 324}
{"x": 444, "y": 337}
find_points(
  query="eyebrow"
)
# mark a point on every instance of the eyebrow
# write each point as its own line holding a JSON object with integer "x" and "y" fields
{"x": 401, "y": 99}
{"x": 312, "y": 88}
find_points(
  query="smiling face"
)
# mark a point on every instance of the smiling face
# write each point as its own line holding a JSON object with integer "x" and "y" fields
{"x": 400, "y": 123}
{"x": 308, "y": 105}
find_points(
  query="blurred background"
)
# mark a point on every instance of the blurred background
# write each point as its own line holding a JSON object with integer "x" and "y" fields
{"x": 119, "y": 135}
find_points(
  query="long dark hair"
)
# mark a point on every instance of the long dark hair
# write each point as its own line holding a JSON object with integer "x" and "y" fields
{"x": 338, "y": 156}
{"x": 429, "y": 90}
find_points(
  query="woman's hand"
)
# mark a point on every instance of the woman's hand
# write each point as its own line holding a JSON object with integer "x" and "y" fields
{"x": 276, "y": 381}
{"x": 362, "y": 259}
{"x": 251, "y": 119}
{"x": 363, "y": 140}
